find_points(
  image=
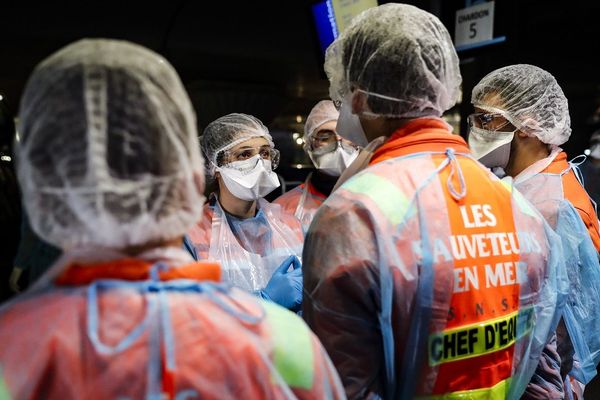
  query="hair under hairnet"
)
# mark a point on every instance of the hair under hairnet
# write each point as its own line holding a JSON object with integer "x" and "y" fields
{"x": 530, "y": 98}
{"x": 228, "y": 131}
{"x": 323, "y": 112}
{"x": 401, "y": 56}
{"x": 108, "y": 153}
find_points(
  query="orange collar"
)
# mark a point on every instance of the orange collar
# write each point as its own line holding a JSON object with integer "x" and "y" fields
{"x": 132, "y": 269}
{"x": 558, "y": 165}
{"x": 419, "y": 135}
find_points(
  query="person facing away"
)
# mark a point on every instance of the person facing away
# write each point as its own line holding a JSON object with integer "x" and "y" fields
{"x": 521, "y": 118}
{"x": 258, "y": 245}
{"x": 424, "y": 274}
{"x": 331, "y": 155}
{"x": 111, "y": 173}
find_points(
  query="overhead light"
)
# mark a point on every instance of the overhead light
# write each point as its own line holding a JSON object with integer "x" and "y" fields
{"x": 1, "y": 98}
{"x": 6, "y": 158}
{"x": 298, "y": 118}
{"x": 587, "y": 152}
{"x": 295, "y": 135}
{"x": 299, "y": 141}
{"x": 299, "y": 166}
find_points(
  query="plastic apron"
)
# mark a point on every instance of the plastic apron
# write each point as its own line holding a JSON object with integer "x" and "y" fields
{"x": 582, "y": 310}
{"x": 308, "y": 205}
{"x": 415, "y": 272}
{"x": 249, "y": 270}
{"x": 157, "y": 339}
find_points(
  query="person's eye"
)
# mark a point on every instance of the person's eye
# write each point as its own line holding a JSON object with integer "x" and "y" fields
{"x": 244, "y": 155}
{"x": 265, "y": 153}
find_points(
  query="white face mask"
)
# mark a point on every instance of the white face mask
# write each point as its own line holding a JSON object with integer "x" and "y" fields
{"x": 491, "y": 148}
{"x": 250, "y": 179}
{"x": 334, "y": 162}
{"x": 348, "y": 124}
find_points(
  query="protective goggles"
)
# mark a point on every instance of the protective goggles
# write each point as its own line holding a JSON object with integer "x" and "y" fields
{"x": 490, "y": 121}
{"x": 245, "y": 153}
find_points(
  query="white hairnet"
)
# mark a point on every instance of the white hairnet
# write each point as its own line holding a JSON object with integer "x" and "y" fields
{"x": 323, "y": 112}
{"x": 108, "y": 152}
{"x": 403, "y": 59}
{"x": 529, "y": 98}
{"x": 229, "y": 131}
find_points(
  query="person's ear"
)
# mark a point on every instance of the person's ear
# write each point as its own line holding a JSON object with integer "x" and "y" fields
{"x": 521, "y": 134}
{"x": 359, "y": 102}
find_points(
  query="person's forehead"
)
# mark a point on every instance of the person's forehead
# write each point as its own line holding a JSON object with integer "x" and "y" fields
{"x": 251, "y": 143}
{"x": 327, "y": 126}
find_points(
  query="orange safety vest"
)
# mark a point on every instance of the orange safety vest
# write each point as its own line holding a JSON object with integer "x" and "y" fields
{"x": 474, "y": 353}
{"x": 576, "y": 194}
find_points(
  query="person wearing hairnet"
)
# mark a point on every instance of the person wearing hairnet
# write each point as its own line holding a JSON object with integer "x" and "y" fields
{"x": 111, "y": 172}
{"x": 257, "y": 244}
{"x": 521, "y": 118}
{"x": 423, "y": 273}
{"x": 331, "y": 155}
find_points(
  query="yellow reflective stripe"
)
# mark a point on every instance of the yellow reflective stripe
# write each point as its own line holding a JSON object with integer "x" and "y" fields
{"x": 390, "y": 200}
{"x": 521, "y": 201}
{"x": 480, "y": 338}
{"x": 4, "y": 393}
{"x": 292, "y": 347}
{"x": 497, "y": 392}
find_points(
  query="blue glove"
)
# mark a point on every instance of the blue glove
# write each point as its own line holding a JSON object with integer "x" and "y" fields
{"x": 285, "y": 288}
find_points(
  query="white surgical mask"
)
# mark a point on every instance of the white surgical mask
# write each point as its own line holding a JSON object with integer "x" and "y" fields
{"x": 334, "y": 162}
{"x": 348, "y": 124}
{"x": 491, "y": 148}
{"x": 249, "y": 179}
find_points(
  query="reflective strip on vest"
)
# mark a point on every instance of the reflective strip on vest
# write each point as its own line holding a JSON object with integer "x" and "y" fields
{"x": 480, "y": 338}
{"x": 497, "y": 392}
{"x": 293, "y": 356}
{"x": 4, "y": 394}
{"x": 388, "y": 197}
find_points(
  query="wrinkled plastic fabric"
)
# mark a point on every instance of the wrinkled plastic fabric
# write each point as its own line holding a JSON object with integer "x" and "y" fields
{"x": 582, "y": 310}
{"x": 530, "y": 98}
{"x": 384, "y": 51}
{"x": 368, "y": 285}
{"x": 302, "y": 202}
{"x": 108, "y": 150}
{"x": 228, "y": 131}
{"x": 248, "y": 250}
{"x": 132, "y": 339}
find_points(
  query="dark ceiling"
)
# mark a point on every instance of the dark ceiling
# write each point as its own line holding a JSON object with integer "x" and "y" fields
{"x": 262, "y": 57}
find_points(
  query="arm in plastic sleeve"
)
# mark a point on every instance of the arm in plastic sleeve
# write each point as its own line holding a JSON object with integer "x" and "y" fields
{"x": 341, "y": 295}
{"x": 548, "y": 310}
{"x": 582, "y": 311}
{"x": 285, "y": 287}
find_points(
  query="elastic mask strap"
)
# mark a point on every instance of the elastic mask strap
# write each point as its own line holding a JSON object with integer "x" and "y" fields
{"x": 455, "y": 169}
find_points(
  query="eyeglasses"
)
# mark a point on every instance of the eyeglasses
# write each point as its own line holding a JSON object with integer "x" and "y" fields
{"x": 322, "y": 138}
{"x": 245, "y": 153}
{"x": 490, "y": 121}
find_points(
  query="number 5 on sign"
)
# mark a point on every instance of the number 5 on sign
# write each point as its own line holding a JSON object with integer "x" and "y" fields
{"x": 474, "y": 24}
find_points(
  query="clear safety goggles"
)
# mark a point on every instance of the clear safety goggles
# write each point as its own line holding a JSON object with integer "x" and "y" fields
{"x": 490, "y": 121}
{"x": 327, "y": 141}
{"x": 245, "y": 153}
